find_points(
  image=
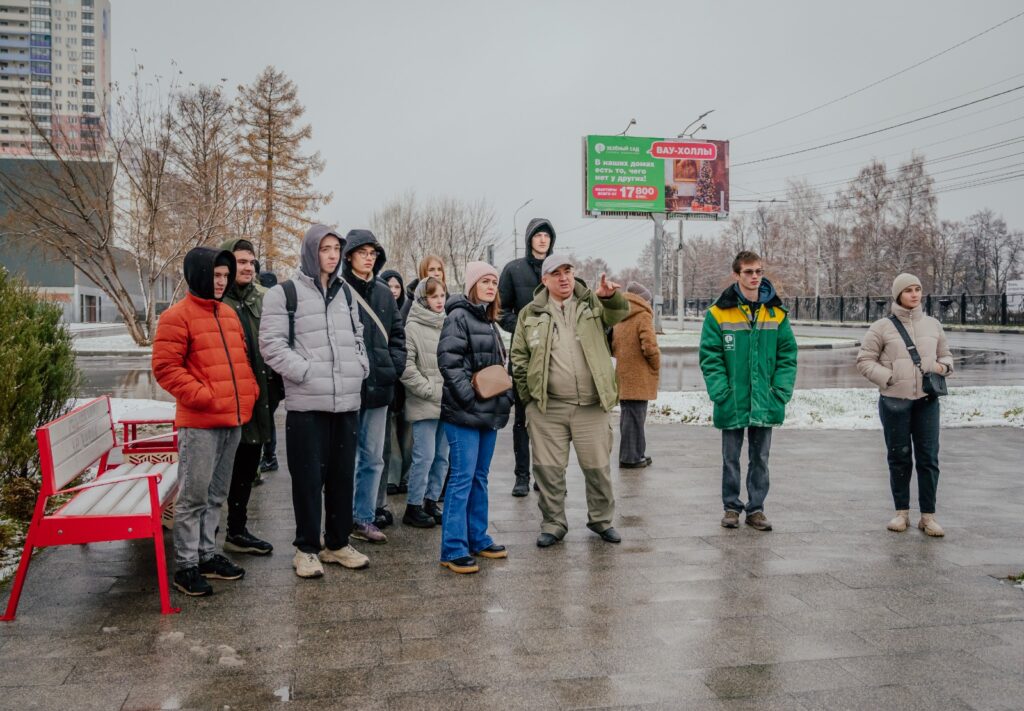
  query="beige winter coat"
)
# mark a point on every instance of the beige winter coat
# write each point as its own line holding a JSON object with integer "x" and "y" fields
{"x": 422, "y": 378}
{"x": 885, "y": 361}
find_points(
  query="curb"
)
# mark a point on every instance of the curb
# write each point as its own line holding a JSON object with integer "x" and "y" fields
{"x": 807, "y": 347}
{"x": 139, "y": 353}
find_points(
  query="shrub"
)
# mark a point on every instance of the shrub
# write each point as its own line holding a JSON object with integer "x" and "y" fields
{"x": 38, "y": 377}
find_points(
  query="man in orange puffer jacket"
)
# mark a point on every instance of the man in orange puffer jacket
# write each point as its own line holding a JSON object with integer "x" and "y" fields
{"x": 199, "y": 357}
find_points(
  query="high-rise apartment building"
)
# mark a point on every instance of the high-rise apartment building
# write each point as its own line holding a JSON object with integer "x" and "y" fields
{"x": 54, "y": 62}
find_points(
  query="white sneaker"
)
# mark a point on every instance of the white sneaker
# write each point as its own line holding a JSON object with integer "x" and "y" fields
{"x": 348, "y": 557}
{"x": 306, "y": 565}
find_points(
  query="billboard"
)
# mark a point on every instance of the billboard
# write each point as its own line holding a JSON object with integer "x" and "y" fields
{"x": 632, "y": 176}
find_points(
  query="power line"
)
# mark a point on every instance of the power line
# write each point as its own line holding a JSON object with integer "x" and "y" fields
{"x": 882, "y": 80}
{"x": 881, "y": 130}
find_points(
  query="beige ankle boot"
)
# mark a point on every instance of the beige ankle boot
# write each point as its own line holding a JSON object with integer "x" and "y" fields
{"x": 929, "y": 525}
{"x": 900, "y": 521}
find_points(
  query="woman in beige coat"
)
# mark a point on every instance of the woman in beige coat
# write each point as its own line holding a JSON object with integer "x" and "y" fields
{"x": 910, "y": 417}
{"x": 637, "y": 368}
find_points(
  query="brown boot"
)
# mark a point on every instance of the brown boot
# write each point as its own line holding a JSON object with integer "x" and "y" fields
{"x": 731, "y": 519}
{"x": 900, "y": 521}
{"x": 758, "y": 521}
{"x": 929, "y": 525}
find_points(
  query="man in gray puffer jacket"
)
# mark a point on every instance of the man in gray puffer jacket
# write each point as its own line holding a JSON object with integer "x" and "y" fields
{"x": 323, "y": 372}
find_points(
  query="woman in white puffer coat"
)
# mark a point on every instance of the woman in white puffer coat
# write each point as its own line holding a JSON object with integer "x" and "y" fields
{"x": 910, "y": 417}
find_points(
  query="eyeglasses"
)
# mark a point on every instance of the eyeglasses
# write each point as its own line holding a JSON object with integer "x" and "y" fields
{"x": 752, "y": 272}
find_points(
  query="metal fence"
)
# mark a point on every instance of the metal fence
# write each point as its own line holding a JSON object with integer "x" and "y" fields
{"x": 966, "y": 309}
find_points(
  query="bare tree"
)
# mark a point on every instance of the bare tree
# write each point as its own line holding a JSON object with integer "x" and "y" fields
{"x": 395, "y": 224}
{"x": 271, "y": 142}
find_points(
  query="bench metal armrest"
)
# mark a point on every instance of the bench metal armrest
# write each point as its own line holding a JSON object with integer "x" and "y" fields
{"x": 104, "y": 481}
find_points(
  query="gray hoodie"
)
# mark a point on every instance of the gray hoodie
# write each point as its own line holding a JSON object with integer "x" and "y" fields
{"x": 325, "y": 370}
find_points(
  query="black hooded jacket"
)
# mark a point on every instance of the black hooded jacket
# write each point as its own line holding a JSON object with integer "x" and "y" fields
{"x": 469, "y": 342}
{"x": 387, "y": 355}
{"x": 403, "y": 300}
{"x": 199, "y": 266}
{"x": 520, "y": 277}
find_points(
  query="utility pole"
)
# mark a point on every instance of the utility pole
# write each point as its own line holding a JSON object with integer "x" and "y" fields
{"x": 681, "y": 296}
{"x": 659, "y": 236}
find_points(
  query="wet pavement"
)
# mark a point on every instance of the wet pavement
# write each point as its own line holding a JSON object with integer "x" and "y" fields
{"x": 829, "y": 611}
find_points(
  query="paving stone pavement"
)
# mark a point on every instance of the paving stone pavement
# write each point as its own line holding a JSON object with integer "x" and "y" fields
{"x": 829, "y": 611}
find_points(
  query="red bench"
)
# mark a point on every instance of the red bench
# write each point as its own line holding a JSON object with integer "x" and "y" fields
{"x": 124, "y": 501}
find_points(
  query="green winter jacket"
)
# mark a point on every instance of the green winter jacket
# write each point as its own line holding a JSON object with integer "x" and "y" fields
{"x": 531, "y": 345}
{"x": 247, "y": 302}
{"x": 749, "y": 370}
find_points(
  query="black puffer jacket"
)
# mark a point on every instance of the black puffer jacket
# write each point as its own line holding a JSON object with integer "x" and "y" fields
{"x": 387, "y": 356}
{"x": 521, "y": 276}
{"x": 469, "y": 342}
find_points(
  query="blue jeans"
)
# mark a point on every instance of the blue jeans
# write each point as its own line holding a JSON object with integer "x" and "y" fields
{"x": 464, "y": 526}
{"x": 369, "y": 463}
{"x": 759, "y": 441}
{"x": 429, "y": 461}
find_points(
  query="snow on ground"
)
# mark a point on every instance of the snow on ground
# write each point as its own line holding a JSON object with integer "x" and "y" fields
{"x": 125, "y": 408}
{"x": 857, "y": 408}
{"x": 121, "y": 343}
{"x": 673, "y": 338}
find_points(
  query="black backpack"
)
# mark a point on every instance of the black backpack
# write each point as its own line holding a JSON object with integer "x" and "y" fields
{"x": 291, "y": 303}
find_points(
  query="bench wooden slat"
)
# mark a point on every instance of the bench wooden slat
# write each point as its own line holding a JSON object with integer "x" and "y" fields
{"x": 82, "y": 438}
{"x": 86, "y": 500}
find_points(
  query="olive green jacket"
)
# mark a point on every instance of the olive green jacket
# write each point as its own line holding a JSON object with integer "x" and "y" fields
{"x": 247, "y": 302}
{"x": 531, "y": 345}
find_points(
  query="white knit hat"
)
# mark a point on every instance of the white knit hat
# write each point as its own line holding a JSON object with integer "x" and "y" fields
{"x": 901, "y": 282}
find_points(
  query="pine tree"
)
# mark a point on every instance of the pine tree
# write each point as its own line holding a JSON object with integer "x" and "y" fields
{"x": 282, "y": 176}
{"x": 705, "y": 185}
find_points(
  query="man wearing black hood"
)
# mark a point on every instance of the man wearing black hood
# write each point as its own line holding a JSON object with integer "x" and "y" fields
{"x": 519, "y": 279}
{"x": 384, "y": 334}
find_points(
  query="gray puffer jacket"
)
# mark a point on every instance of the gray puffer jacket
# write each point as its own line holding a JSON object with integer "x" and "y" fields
{"x": 422, "y": 378}
{"x": 325, "y": 370}
{"x": 885, "y": 361}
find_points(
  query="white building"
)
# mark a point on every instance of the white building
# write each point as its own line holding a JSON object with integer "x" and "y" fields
{"x": 54, "y": 60}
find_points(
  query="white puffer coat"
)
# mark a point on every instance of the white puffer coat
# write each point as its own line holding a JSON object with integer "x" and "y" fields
{"x": 422, "y": 378}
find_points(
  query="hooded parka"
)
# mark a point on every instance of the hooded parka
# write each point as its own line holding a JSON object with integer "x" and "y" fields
{"x": 199, "y": 352}
{"x": 324, "y": 371}
{"x": 386, "y": 353}
{"x": 422, "y": 377}
{"x": 520, "y": 277}
{"x": 749, "y": 366}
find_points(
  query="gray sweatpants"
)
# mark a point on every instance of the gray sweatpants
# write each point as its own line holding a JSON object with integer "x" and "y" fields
{"x": 205, "y": 459}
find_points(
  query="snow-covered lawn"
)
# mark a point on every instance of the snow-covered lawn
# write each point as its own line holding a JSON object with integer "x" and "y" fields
{"x": 857, "y": 408}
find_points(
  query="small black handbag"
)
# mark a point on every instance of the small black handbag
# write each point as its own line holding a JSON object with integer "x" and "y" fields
{"x": 934, "y": 383}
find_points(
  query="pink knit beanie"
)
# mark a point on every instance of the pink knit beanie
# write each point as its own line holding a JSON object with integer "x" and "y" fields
{"x": 475, "y": 271}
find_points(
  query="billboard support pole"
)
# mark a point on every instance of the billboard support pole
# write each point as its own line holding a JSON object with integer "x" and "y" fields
{"x": 680, "y": 296}
{"x": 659, "y": 237}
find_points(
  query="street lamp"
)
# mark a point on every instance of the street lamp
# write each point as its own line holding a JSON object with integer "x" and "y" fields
{"x": 515, "y": 232}
{"x": 632, "y": 122}
{"x": 684, "y": 134}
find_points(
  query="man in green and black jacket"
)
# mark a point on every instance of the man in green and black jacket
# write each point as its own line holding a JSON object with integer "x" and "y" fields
{"x": 748, "y": 358}
{"x": 245, "y": 296}
{"x": 563, "y": 373}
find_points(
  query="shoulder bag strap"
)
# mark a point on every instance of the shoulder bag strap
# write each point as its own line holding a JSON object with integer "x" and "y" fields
{"x": 914, "y": 355}
{"x": 373, "y": 314}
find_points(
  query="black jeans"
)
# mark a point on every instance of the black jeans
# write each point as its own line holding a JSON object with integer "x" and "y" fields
{"x": 322, "y": 461}
{"x": 907, "y": 423}
{"x": 243, "y": 474}
{"x": 520, "y": 437}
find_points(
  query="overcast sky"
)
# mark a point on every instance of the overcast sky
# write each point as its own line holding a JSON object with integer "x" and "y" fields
{"x": 486, "y": 99}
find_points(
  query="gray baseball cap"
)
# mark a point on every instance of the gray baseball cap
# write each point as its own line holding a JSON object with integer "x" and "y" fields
{"x": 553, "y": 262}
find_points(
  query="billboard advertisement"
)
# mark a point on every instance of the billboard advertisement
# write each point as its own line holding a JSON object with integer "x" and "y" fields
{"x": 630, "y": 175}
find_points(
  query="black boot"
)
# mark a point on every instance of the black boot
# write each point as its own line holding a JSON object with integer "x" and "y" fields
{"x": 522, "y": 485}
{"x": 432, "y": 509}
{"x": 418, "y": 518}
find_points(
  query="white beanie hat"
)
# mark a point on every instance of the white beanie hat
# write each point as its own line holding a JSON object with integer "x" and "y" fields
{"x": 901, "y": 282}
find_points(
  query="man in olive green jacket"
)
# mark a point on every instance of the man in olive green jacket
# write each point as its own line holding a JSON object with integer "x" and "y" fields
{"x": 245, "y": 296}
{"x": 563, "y": 373}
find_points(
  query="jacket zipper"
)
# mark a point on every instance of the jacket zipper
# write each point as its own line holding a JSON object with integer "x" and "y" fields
{"x": 231, "y": 366}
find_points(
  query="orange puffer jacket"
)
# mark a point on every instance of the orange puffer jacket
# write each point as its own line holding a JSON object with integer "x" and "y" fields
{"x": 199, "y": 357}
